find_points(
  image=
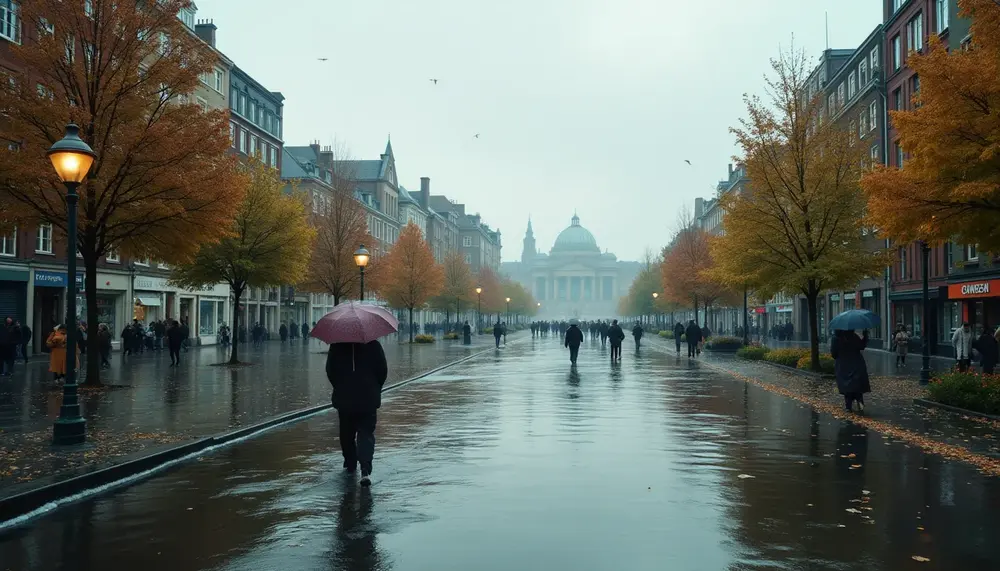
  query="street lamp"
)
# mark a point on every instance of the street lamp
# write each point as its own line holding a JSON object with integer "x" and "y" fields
{"x": 925, "y": 350}
{"x": 72, "y": 159}
{"x": 655, "y": 312}
{"x": 508, "y": 310}
{"x": 479, "y": 311}
{"x": 361, "y": 258}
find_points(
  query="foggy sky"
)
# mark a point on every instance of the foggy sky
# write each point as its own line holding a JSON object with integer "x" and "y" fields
{"x": 590, "y": 105}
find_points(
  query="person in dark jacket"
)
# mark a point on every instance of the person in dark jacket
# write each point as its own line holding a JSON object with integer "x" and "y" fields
{"x": 678, "y": 333}
{"x": 10, "y": 338}
{"x": 602, "y": 329}
{"x": 175, "y": 338}
{"x": 989, "y": 352}
{"x": 305, "y": 332}
{"x": 25, "y": 341}
{"x": 498, "y": 332}
{"x": 574, "y": 337}
{"x": 637, "y": 334}
{"x": 467, "y": 334}
{"x": 616, "y": 336}
{"x": 693, "y": 337}
{"x": 128, "y": 340}
{"x": 357, "y": 372}
{"x": 850, "y": 367}
{"x": 283, "y": 332}
{"x": 104, "y": 339}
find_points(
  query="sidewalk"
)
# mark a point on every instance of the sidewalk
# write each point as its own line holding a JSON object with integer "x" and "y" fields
{"x": 152, "y": 404}
{"x": 880, "y": 362}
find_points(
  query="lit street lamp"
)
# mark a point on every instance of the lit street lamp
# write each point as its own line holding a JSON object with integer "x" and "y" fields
{"x": 655, "y": 312}
{"x": 361, "y": 258}
{"x": 508, "y": 310}
{"x": 479, "y": 311}
{"x": 72, "y": 159}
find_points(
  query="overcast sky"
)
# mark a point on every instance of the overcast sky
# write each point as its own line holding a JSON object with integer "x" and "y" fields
{"x": 590, "y": 105}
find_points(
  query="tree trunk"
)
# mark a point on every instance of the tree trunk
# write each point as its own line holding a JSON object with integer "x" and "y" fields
{"x": 234, "y": 356}
{"x": 93, "y": 378}
{"x": 410, "y": 324}
{"x": 336, "y": 299}
{"x": 811, "y": 296}
{"x": 447, "y": 320}
{"x": 695, "y": 310}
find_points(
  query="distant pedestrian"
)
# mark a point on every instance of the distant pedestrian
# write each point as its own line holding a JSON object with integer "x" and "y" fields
{"x": 850, "y": 367}
{"x": 989, "y": 351}
{"x": 901, "y": 341}
{"x": 357, "y": 372}
{"x": 574, "y": 337}
{"x": 283, "y": 333}
{"x": 498, "y": 332}
{"x": 25, "y": 341}
{"x": 693, "y": 337}
{"x": 175, "y": 338}
{"x": 467, "y": 334}
{"x": 185, "y": 336}
{"x": 961, "y": 340}
{"x": 104, "y": 340}
{"x": 504, "y": 326}
{"x": 637, "y": 335}
{"x": 602, "y": 328}
{"x": 10, "y": 338}
{"x": 305, "y": 332}
{"x": 678, "y": 333}
{"x": 616, "y": 336}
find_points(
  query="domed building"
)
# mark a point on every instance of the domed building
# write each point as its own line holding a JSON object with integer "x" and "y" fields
{"x": 575, "y": 279}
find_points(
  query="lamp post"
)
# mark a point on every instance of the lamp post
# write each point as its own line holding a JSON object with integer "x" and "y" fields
{"x": 925, "y": 350}
{"x": 479, "y": 310}
{"x": 72, "y": 158}
{"x": 508, "y": 310}
{"x": 361, "y": 257}
{"x": 656, "y": 313}
{"x": 131, "y": 286}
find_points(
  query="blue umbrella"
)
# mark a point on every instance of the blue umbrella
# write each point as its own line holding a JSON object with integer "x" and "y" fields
{"x": 854, "y": 319}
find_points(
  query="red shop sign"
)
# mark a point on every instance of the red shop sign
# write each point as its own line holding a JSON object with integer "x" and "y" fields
{"x": 966, "y": 290}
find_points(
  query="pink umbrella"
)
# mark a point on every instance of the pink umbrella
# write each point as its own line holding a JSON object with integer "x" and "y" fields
{"x": 354, "y": 323}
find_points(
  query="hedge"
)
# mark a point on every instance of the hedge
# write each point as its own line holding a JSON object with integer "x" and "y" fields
{"x": 971, "y": 391}
{"x": 826, "y": 363}
{"x": 724, "y": 343}
{"x": 786, "y": 357}
{"x": 451, "y": 336}
{"x": 423, "y": 338}
{"x": 666, "y": 334}
{"x": 753, "y": 352}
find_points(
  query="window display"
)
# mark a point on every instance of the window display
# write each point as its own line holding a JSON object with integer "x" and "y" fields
{"x": 206, "y": 317}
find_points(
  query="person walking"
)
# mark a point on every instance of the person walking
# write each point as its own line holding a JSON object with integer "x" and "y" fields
{"x": 25, "y": 341}
{"x": 901, "y": 340}
{"x": 305, "y": 332}
{"x": 637, "y": 335}
{"x": 603, "y": 330}
{"x": 498, "y": 332}
{"x": 573, "y": 339}
{"x": 616, "y": 336}
{"x": 466, "y": 334}
{"x": 175, "y": 338}
{"x": 10, "y": 338}
{"x": 104, "y": 340}
{"x": 283, "y": 333}
{"x": 961, "y": 340}
{"x": 850, "y": 367}
{"x": 504, "y": 333}
{"x": 693, "y": 336}
{"x": 357, "y": 372}
{"x": 57, "y": 352}
{"x": 989, "y": 350}
{"x": 185, "y": 337}
{"x": 678, "y": 333}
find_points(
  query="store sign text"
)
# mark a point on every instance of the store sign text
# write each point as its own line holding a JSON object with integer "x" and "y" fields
{"x": 974, "y": 289}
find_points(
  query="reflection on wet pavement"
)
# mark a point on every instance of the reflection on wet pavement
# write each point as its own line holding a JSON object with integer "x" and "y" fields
{"x": 516, "y": 461}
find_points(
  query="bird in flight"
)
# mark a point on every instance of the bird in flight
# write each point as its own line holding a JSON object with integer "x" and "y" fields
{"x": 322, "y": 58}
{"x": 476, "y": 136}
{"x": 687, "y": 161}
{"x": 434, "y": 81}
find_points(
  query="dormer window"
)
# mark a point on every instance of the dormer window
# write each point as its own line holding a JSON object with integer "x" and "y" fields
{"x": 186, "y": 16}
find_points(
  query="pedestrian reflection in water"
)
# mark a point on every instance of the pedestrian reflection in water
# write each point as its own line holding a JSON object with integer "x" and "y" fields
{"x": 356, "y": 548}
{"x": 573, "y": 380}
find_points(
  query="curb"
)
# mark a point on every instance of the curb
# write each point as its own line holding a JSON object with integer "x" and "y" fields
{"x": 964, "y": 411}
{"x": 20, "y": 507}
{"x": 797, "y": 371}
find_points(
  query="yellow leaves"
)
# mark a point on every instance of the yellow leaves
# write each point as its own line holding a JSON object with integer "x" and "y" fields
{"x": 412, "y": 276}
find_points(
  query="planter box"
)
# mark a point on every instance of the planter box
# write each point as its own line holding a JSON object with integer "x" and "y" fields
{"x": 934, "y": 404}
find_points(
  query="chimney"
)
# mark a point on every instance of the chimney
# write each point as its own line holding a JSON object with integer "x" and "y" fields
{"x": 314, "y": 145}
{"x": 425, "y": 192}
{"x": 730, "y": 170}
{"x": 205, "y": 29}
{"x": 326, "y": 157}
{"x": 699, "y": 207}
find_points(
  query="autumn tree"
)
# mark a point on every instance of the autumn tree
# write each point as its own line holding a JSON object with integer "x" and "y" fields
{"x": 492, "y": 298}
{"x": 458, "y": 287}
{"x": 268, "y": 243}
{"x": 412, "y": 277}
{"x": 163, "y": 181}
{"x": 521, "y": 300}
{"x": 799, "y": 226}
{"x": 341, "y": 228}
{"x": 687, "y": 271}
{"x": 950, "y": 188}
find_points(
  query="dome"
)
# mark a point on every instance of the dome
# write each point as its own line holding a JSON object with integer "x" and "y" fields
{"x": 576, "y": 238}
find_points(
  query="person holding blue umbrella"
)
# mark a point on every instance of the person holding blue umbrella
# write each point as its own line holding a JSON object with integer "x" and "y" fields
{"x": 850, "y": 367}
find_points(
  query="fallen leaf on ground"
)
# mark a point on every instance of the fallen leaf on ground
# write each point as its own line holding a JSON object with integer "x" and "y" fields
{"x": 865, "y": 492}
{"x": 852, "y": 510}
{"x": 920, "y": 558}
{"x": 745, "y": 476}
{"x": 855, "y": 466}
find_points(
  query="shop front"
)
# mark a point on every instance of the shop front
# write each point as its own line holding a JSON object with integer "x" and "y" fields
{"x": 13, "y": 293}
{"x": 976, "y": 302}
{"x": 203, "y": 309}
{"x": 50, "y": 304}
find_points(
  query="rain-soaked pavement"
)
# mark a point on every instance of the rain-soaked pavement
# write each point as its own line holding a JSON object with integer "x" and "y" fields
{"x": 515, "y": 461}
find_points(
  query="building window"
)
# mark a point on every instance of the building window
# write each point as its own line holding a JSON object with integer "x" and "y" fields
{"x": 186, "y": 15}
{"x": 915, "y": 84}
{"x": 143, "y": 263}
{"x": 897, "y": 55}
{"x": 874, "y": 154}
{"x": 274, "y": 157}
{"x": 941, "y": 13}
{"x": 897, "y": 99}
{"x": 862, "y": 123}
{"x": 898, "y": 152}
{"x": 10, "y": 22}
{"x": 217, "y": 82}
{"x": 467, "y": 241}
{"x": 241, "y": 109}
{"x": 253, "y": 145}
{"x": 971, "y": 253}
{"x": 253, "y": 112}
{"x": 852, "y": 128}
{"x": 840, "y": 94}
{"x": 863, "y": 73}
{"x": 873, "y": 115}
{"x": 897, "y": 4}
{"x": 852, "y": 85}
{"x": 949, "y": 258}
{"x": 873, "y": 60}
{"x": 915, "y": 33}
{"x": 902, "y": 264}
{"x": 243, "y": 140}
{"x": 831, "y": 104}
{"x": 232, "y": 134}
{"x": 113, "y": 256}
{"x": 202, "y": 103}
{"x": 8, "y": 244}
{"x": 43, "y": 240}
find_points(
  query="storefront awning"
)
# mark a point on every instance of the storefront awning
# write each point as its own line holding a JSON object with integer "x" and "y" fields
{"x": 148, "y": 300}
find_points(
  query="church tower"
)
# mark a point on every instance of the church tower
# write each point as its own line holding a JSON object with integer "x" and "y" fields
{"x": 528, "y": 253}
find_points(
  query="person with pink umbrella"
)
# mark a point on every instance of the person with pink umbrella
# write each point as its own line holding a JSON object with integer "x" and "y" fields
{"x": 357, "y": 370}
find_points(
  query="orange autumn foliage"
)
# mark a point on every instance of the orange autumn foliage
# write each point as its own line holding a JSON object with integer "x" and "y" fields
{"x": 412, "y": 276}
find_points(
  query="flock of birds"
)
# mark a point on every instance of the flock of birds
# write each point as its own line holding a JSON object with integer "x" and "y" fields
{"x": 435, "y": 81}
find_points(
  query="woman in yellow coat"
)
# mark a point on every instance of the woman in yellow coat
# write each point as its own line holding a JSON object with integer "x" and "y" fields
{"x": 57, "y": 356}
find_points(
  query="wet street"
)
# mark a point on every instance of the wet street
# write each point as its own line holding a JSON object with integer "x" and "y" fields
{"x": 513, "y": 460}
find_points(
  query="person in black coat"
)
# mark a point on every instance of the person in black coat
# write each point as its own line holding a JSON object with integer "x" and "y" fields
{"x": 989, "y": 352}
{"x": 467, "y": 334}
{"x": 602, "y": 329}
{"x": 850, "y": 367}
{"x": 10, "y": 338}
{"x": 104, "y": 337}
{"x": 573, "y": 339}
{"x": 498, "y": 332}
{"x": 616, "y": 336}
{"x": 175, "y": 338}
{"x": 283, "y": 332}
{"x": 637, "y": 334}
{"x": 693, "y": 336}
{"x": 305, "y": 332}
{"x": 357, "y": 372}
{"x": 678, "y": 333}
{"x": 25, "y": 341}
